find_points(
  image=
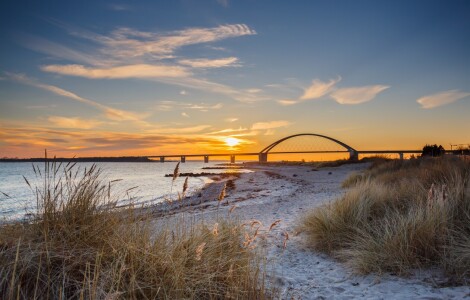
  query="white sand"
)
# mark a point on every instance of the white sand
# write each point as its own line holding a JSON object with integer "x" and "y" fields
{"x": 285, "y": 193}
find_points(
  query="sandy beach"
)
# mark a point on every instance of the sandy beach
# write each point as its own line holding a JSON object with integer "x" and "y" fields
{"x": 272, "y": 193}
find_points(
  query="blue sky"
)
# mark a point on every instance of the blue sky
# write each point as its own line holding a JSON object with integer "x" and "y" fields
{"x": 142, "y": 77}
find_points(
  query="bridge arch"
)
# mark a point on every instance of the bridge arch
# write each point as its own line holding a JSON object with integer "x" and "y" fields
{"x": 263, "y": 154}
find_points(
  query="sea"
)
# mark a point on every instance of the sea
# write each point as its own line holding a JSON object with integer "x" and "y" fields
{"x": 141, "y": 183}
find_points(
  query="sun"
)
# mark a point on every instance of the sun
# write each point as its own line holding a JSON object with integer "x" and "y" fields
{"x": 230, "y": 141}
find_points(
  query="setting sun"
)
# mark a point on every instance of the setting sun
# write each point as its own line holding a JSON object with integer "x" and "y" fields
{"x": 232, "y": 141}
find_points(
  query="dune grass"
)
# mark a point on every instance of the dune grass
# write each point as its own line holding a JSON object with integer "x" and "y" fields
{"x": 397, "y": 216}
{"x": 77, "y": 245}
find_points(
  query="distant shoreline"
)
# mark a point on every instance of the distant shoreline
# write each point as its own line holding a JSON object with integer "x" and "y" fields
{"x": 81, "y": 159}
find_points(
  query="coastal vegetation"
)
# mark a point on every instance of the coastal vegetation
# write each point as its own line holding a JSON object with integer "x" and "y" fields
{"x": 398, "y": 216}
{"x": 79, "y": 245}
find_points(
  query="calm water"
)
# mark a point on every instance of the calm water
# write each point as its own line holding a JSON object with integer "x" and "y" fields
{"x": 149, "y": 179}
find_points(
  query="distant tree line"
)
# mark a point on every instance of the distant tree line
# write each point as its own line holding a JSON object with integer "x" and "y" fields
{"x": 462, "y": 150}
{"x": 433, "y": 150}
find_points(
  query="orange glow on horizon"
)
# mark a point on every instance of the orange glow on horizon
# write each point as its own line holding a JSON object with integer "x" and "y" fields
{"x": 231, "y": 141}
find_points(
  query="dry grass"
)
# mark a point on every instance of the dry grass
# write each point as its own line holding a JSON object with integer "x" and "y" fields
{"x": 400, "y": 215}
{"x": 79, "y": 246}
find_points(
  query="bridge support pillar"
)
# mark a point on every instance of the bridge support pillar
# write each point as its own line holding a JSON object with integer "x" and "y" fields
{"x": 183, "y": 159}
{"x": 162, "y": 159}
{"x": 353, "y": 155}
{"x": 401, "y": 155}
{"x": 263, "y": 157}
{"x": 206, "y": 158}
{"x": 232, "y": 159}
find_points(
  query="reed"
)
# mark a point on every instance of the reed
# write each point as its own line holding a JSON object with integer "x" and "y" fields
{"x": 399, "y": 215}
{"x": 78, "y": 245}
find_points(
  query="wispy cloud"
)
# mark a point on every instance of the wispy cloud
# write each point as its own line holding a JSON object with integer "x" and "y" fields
{"x": 130, "y": 43}
{"x": 179, "y": 130}
{"x": 231, "y": 120}
{"x": 204, "y": 107}
{"x": 68, "y": 142}
{"x": 111, "y": 113}
{"x": 60, "y": 51}
{"x": 224, "y": 3}
{"x": 130, "y": 71}
{"x": 350, "y": 95}
{"x": 270, "y": 125}
{"x": 130, "y": 53}
{"x": 44, "y": 107}
{"x": 254, "y": 90}
{"x": 357, "y": 95}
{"x": 229, "y": 130}
{"x": 78, "y": 123}
{"x": 213, "y": 87}
{"x": 185, "y": 114}
{"x": 442, "y": 98}
{"x": 119, "y": 7}
{"x": 287, "y": 102}
{"x": 173, "y": 105}
{"x": 319, "y": 89}
{"x": 210, "y": 63}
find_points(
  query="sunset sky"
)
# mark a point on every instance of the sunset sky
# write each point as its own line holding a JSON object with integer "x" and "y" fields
{"x": 100, "y": 78}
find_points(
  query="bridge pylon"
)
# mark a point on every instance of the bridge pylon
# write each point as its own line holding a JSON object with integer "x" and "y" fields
{"x": 263, "y": 157}
{"x": 353, "y": 155}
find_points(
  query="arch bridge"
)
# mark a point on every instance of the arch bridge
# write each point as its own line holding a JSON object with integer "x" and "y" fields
{"x": 271, "y": 149}
{"x": 263, "y": 154}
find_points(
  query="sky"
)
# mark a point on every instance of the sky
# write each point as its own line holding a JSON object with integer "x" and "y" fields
{"x": 118, "y": 78}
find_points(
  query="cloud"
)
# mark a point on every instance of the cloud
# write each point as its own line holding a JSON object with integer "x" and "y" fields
{"x": 173, "y": 105}
{"x": 119, "y": 7}
{"x": 183, "y": 92}
{"x": 58, "y": 51}
{"x": 224, "y": 3}
{"x": 30, "y": 141}
{"x": 185, "y": 114}
{"x": 286, "y": 102}
{"x": 357, "y": 95}
{"x": 442, "y": 98}
{"x": 45, "y": 107}
{"x": 130, "y": 53}
{"x": 229, "y": 130}
{"x": 213, "y": 87}
{"x": 231, "y": 120}
{"x": 64, "y": 122}
{"x": 203, "y": 107}
{"x": 191, "y": 129}
{"x": 254, "y": 91}
{"x": 129, "y": 71}
{"x": 269, "y": 125}
{"x": 174, "y": 75}
{"x": 319, "y": 89}
{"x": 351, "y": 95}
{"x": 210, "y": 63}
{"x": 127, "y": 42}
{"x": 111, "y": 113}
{"x": 217, "y": 48}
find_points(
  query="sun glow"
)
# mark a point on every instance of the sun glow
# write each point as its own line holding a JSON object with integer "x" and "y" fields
{"x": 231, "y": 142}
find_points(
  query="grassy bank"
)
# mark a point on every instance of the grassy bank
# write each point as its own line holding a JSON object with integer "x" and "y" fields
{"x": 399, "y": 215}
{"x": 77, "y": 245}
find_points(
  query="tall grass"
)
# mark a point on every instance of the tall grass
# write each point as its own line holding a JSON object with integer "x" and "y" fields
{"x": 399, "y": 215}
{"x": 78, "y": 245}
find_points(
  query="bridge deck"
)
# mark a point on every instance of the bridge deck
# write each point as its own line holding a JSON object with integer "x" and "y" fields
{"x": 290, "y": 152}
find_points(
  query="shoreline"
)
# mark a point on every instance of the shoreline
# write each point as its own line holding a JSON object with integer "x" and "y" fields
{"x": 282, "y": 194}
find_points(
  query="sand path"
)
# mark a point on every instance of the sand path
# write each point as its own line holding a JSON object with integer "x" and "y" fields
{"x": 284, "y": 193}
